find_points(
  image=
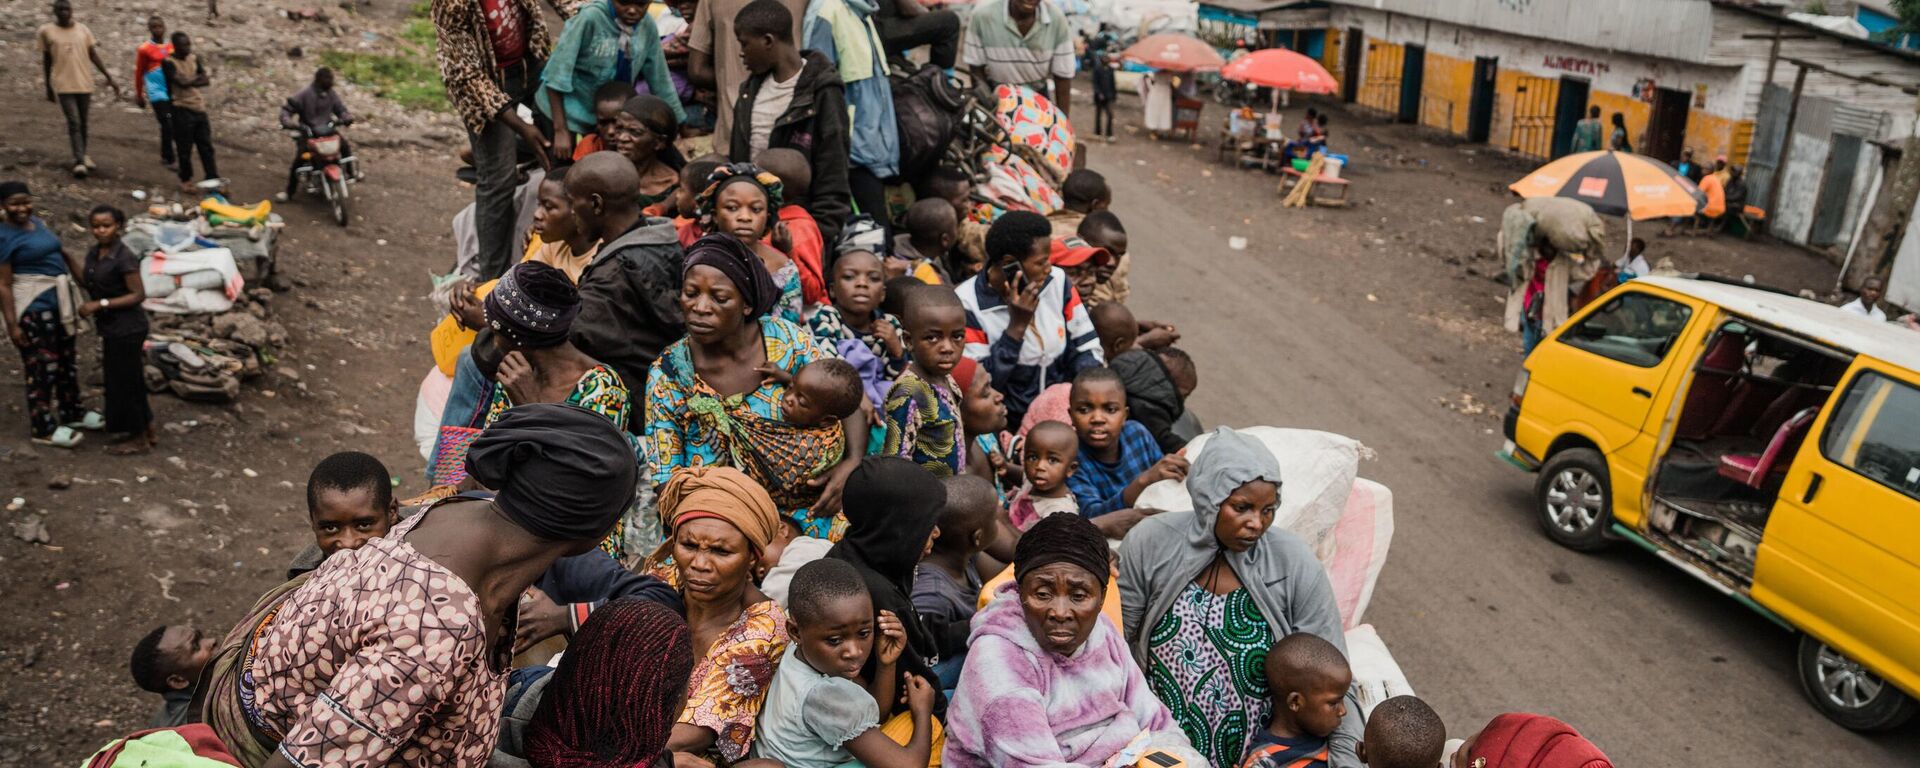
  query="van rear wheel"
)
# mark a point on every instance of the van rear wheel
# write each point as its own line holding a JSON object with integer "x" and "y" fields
{"x": 1847, "y": 693}
{"x": 1574, "y": 501}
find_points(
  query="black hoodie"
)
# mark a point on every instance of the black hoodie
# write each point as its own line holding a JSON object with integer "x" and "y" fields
{"x": 892, "y": 506}
{"x": 816, "y": 125}
{"x": 1152, "y": 398}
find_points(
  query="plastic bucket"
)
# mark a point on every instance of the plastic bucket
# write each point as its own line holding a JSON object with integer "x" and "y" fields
{"x": 1332, "y": 169}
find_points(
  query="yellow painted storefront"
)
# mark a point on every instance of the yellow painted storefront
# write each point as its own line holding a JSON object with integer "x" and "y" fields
{"x": 1524, "y": 105}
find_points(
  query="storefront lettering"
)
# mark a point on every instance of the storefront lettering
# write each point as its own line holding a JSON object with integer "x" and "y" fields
{"x": 1576, "y": 65}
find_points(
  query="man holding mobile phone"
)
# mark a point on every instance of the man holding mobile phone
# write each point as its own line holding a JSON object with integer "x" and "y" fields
{"x": 1025, "y": 322}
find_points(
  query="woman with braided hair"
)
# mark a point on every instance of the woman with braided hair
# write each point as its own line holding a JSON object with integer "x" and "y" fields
{"x": 612, "y": 701}
{"x": 711, "y": 400}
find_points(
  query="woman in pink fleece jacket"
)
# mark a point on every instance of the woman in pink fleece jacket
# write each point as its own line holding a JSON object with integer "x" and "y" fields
{"x": 1049, "y": 681}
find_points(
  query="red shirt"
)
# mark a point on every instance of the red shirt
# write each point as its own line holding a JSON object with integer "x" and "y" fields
{"x": 507, "y": 25}
{"x": 147, "y": 58}
{"x": 586, "y": 145}
{"x": 689, "y": 229}
{"x": 809, "y": 252}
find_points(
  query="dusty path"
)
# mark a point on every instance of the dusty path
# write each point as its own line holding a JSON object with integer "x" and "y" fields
{"x": 1485, "y": 614}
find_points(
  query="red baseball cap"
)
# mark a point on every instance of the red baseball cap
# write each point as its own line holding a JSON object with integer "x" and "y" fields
{"x": 1073, "y": 251}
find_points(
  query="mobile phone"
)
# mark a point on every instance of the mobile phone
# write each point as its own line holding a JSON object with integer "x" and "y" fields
{"x": 1160, "y": 759}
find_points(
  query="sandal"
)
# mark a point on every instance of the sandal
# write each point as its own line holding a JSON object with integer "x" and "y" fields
{"x": 92, "y": 421}
{"x": 62, "y": 437}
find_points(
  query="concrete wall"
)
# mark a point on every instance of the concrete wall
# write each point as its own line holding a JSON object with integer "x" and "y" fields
{"x": 1658, "y": 28}
{"x": 1714, "y": 124}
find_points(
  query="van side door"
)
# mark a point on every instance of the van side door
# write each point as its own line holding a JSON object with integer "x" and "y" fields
{"x": 1840, "y": 556}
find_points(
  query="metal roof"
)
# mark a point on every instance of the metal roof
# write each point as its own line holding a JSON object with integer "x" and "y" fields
{"x": 1260, "y": 6}
{"x": 1824, "y": 323}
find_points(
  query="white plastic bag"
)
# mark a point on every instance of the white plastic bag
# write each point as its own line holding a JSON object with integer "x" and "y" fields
{"x": 1317, "y": 470}
{"x": 1375, "y": 674}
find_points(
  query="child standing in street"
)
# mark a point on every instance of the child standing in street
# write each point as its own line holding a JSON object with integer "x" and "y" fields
{"x": 1104, "y": 94}
{"x": 795, "y": 100}
{"x": 923, "y": 409}
{"x": 112, "y": 277}
{"x": 186, "y": 76}
{"x": 66, "y": 48}
{"x": 150, "y": 83}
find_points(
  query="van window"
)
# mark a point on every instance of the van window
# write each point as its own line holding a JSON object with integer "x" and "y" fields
{"x": 1876, "y": 432}
{"x": 1634, "y": 328}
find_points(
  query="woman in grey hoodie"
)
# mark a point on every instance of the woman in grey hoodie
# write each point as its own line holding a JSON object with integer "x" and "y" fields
{"x": 1205, "y": 594}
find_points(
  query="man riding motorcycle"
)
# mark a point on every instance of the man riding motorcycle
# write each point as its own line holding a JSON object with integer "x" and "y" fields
{"x": 311, "y": 111}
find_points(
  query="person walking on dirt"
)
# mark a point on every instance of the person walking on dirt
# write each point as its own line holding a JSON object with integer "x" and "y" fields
{"x": 490, "y": 56}
{"x": 1619, "y": 142}
{"x": 150, "y": 82}
{"x": 1105, "y": 92}
{"x": 1586, "y": 133}
{"x": 1022, "y": 42}
{"x": 66, "y": 47}
{"x": 312, "y": 110}
{"x": 186, "y": 76}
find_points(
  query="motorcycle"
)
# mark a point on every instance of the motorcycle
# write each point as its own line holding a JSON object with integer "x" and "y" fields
{"x": 323, "y": 171}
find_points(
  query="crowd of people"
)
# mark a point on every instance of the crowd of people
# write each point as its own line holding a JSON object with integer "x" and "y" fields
{"x": 795, "y": 472}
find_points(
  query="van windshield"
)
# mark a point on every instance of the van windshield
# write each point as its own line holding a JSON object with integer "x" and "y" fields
{"x": 1634, "y": 328}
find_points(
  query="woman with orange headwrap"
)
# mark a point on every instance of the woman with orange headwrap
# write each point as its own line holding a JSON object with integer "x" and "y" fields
{"x": 722, "y": 523}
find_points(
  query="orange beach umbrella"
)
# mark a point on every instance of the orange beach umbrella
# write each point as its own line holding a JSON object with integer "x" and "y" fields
{"x": 1617, "y": 184}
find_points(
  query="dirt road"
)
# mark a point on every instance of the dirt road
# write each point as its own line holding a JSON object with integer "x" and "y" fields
{"x": 1377, "y": 321}
{"x": 1364, "y": 322}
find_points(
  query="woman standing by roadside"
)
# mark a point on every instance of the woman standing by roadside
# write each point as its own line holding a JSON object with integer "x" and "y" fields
{"x": 38, "y": 298}
{"x": 112, "y": 277}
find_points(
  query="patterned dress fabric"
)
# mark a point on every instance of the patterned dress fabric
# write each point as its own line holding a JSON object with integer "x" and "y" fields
{"x": 1038, "y": 129}
{"x": 689, "y": 424}
{"x": 380, "y": 658}
{"x": 1207, "y": 663}
{"x": 730, "y": 681}
{"x": 923, "y": 425}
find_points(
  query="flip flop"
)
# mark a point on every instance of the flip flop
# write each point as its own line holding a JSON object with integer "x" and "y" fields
{"x": 62, "y": 437}
{"x": 92, "y": 421}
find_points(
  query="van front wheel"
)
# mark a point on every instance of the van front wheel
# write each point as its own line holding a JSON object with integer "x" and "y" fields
{"x": 1847, "y": 693}
{"x": 1573, "y": 499}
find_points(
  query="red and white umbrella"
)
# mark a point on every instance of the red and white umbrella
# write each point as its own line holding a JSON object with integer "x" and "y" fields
{"x": 1281, "y": 69}
{"x": 1174, "y": 52}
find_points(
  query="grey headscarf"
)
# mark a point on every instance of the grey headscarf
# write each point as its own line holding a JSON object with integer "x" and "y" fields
{"x": 1231, "y": 460}
{"x": 1166, "y": 552}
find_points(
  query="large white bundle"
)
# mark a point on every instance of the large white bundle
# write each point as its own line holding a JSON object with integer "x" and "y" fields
{"x": 1316, "y": 475}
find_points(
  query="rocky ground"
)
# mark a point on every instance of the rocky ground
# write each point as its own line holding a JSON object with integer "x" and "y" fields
{"x": 193, "y": 532}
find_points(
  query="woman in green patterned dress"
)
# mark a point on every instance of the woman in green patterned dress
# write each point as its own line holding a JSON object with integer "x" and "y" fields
{"x": 531, "y": 312}
{"x": 1205, "y": 594}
